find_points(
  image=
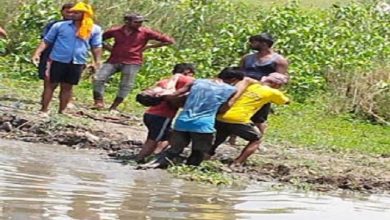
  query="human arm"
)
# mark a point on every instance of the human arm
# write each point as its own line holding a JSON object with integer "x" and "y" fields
{"x": 155, "y": 45}
{"x": 3, "y": 33}
{"x": 241, "y": 64}
{"x": 186, "y": 88}
{"x": 279, "y": 97}
{"x": 49, "y": 39}
{"x": 241, "y": 86}
{"x": 97, "y": 57}
{"x": 226, "y": 106}
{"x": 96, "y": 43}
{"x": 163, "y": 40}
{"x": 281, "y": 66}
{"x": 106, "y": 36}
{"x": 37, "y": 53}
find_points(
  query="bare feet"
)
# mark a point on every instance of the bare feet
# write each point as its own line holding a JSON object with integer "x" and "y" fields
{"x": 42, "y": 114}
{"x": 232, "y": 140}
{"x": 71, "y": 106}
{"x": 98, "y": 106}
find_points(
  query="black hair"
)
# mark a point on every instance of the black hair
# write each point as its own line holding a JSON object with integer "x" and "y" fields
{"x": 181, "y": 67}
{"x": 231, "y": 73}
{"x": 263, "y": 37}
{"x": 67, "y": 6}
{"x": 129, "y": 16}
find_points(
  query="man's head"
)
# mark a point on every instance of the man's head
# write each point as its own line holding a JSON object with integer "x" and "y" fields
{"x": 82, "y": 13}
{"x": 65, "y": 11}
{"x": 261, "y": 41}
{"x": 231, "y": 75}
{"x": 187, "y": 69}
{"x": 81, "y": 10}
{"x": 275, "y": 80}
{"x": 134, "y": 20}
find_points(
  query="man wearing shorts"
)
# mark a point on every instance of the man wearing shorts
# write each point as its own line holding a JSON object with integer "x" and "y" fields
{"x": 66, "y": 15}
{"x": 158, "y": 118}
{"x": 237, "y": 120}
{"x": 259, "y": 64}
{"x": 71, "y": 41}
{"x": 196, "y": 121}
{"x": 130, "y": 41}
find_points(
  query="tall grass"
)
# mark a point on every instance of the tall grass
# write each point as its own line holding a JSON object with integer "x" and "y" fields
{"x": 363, "y": 93}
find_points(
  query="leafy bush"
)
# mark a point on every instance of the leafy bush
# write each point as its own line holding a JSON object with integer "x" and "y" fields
{"x": 213, "y": 34}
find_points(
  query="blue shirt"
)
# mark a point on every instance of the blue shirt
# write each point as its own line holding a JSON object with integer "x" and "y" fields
{"x": 67, "y": 47}
{"x": 199, "y": 112}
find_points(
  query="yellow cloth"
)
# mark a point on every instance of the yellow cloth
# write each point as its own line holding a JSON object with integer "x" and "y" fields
{"x": 87, "y": 23}
{"x": 251, "y": 100}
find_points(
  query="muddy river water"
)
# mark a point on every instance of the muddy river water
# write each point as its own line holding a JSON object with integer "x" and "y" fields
{"x": 55, "y": 182}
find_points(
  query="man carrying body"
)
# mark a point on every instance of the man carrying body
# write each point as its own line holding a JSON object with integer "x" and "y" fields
{"x": 196, "y": 121}
{"x": 71, "y": 41}
{"x": 130, "y": 41}
{"x": 237, "y": 120}
{"x": 158, "y": 118}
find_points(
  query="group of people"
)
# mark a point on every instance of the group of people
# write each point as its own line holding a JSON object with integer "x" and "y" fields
{"x": 63, "y": 52}
{"x": 234, "y": 103}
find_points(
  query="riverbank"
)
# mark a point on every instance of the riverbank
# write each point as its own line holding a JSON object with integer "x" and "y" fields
{"x": 121, "y": 136}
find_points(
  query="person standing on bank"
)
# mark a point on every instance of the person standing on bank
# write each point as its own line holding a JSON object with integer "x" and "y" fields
{"x": 130, "y": 41}
{"x": 259, "y": 64}
{"x": 71, "y": 42}
{"x": 66, "y": 15}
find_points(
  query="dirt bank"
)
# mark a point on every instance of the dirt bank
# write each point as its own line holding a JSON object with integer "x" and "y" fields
{"x": 122, "y": 135}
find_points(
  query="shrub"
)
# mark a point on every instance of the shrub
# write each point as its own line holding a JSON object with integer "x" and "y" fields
{"x": 363, "y": 93}
{"x": 213, "y": 34}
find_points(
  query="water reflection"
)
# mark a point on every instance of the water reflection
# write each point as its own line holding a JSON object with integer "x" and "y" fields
{"x": 52, "y": 182}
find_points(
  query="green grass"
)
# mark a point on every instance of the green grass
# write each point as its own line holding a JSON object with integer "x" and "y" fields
{"x": 303, "y": 125}
{"x": 312, "y": 126}
{"x": 305, "y": 3}
{"x": 207, "y": 172}
{"x": 28, "y": 89}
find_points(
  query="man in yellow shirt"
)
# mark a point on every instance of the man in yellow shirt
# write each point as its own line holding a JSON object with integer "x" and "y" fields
{"x": 237, "y": 120}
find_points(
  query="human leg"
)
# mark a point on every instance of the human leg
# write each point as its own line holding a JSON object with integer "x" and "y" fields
{"x": 65, "y": 96}
{"x": 70, "y": 78}
{"x": 100, "y": 79}
{"x": 220, "y": 136}
{"x": 158, "y": 128}
{"x": 260, "y": 118}
{"x": 201, "y": 145}
{"x": 161, "y": 145}
{"x": 53, "y": 76}
{"x": 252, "y": 135}
{"x": 178, "y": 140}
{"x": 47, "y": 96}
{"x": 129, "y": 73}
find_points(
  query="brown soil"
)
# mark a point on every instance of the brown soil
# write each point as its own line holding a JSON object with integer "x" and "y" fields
{"x": 122, "y": 135}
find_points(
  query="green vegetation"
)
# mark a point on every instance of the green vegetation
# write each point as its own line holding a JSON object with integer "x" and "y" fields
{"x": 322, "y": 45}
{"x": 311, "y": 125}
{"x": 207, "y": 172}
{"x": 305, "y": 3}
{"x": 338, "y": 51}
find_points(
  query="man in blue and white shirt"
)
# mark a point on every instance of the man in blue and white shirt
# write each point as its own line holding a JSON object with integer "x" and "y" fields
{"x": 69, "y": 54}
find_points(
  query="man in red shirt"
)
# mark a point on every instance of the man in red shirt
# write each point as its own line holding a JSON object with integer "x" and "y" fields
{"x": 158, "y": 118}
{"x": 130, "y": 41}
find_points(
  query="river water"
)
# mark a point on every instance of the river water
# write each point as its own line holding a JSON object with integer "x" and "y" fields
{"x": 55, "y": 182}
